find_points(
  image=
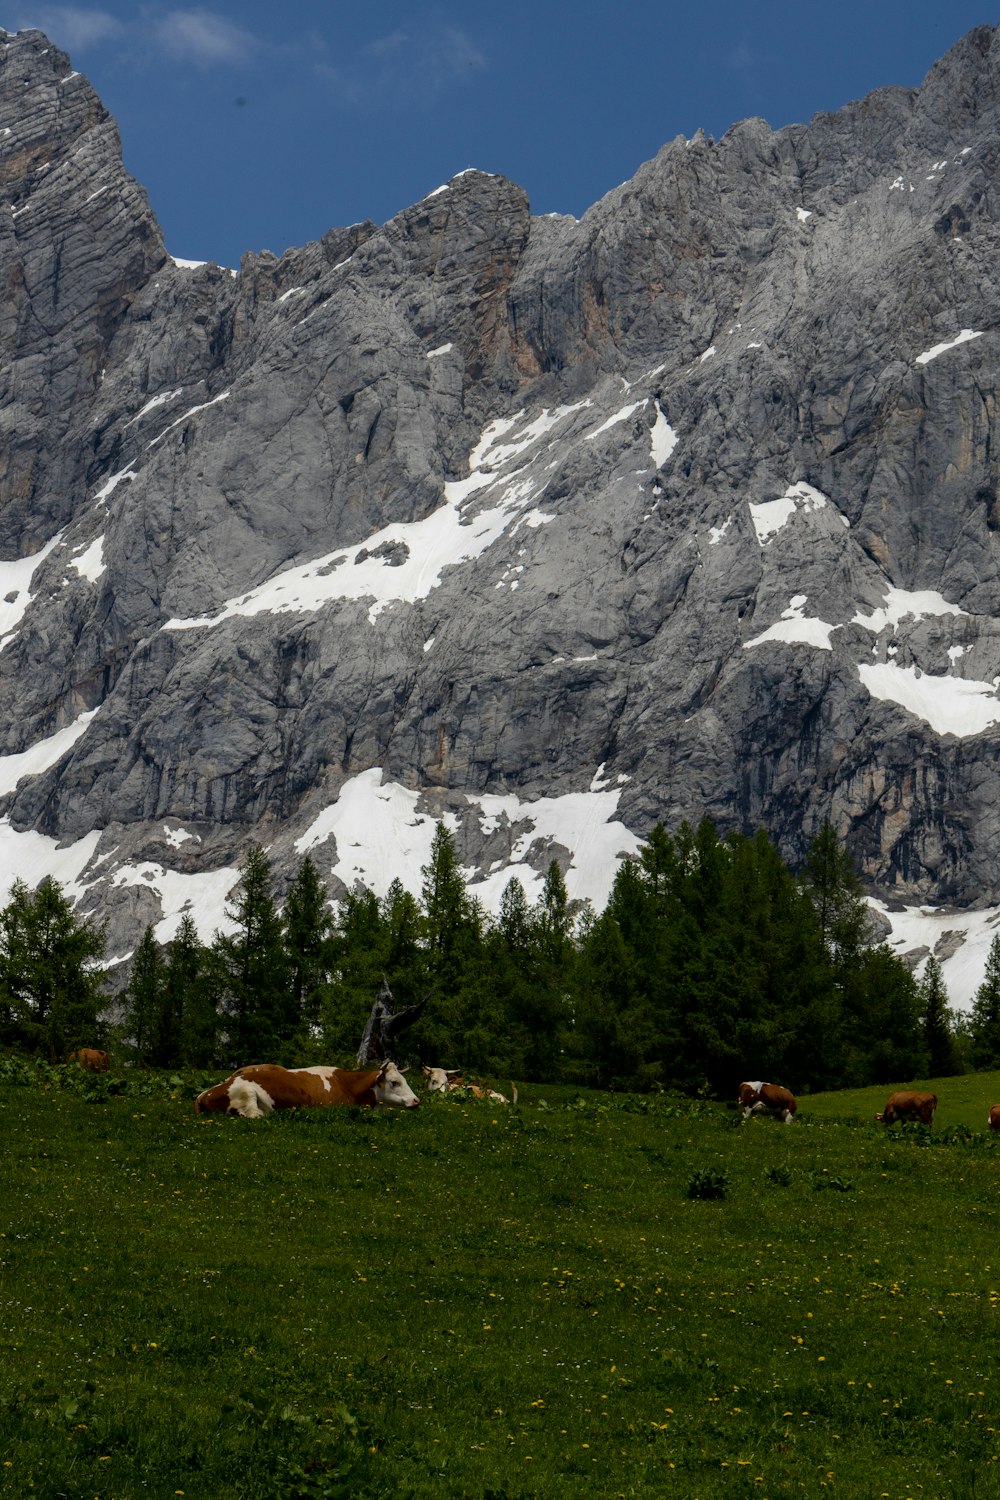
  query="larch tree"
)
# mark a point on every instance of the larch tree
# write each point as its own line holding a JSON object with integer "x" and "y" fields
{"x": 51, "y": 978}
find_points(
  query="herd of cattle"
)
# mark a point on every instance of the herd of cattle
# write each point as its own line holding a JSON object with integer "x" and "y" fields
{"x": 255, "y": 1091}
{"x": 908, "y": 1104}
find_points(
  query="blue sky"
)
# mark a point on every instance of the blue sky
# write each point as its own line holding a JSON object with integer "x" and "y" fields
{"x": 254, "y": 125}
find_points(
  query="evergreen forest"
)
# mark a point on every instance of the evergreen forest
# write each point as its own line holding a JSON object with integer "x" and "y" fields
{"x": 712, "y": 961}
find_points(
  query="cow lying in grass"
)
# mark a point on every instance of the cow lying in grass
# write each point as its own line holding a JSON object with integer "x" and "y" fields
{"x": 450, "y": 1081}
{"x": 91, "y": 1059}
{"x": 766, "y": 1099}
{"x": 908, "y": 1105}
{"x": 255, "y": 1091}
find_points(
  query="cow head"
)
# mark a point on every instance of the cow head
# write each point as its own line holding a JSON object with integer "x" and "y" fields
{"x": 215, "y": 1098}
{"x": 439, "y": 1080}
{"x": 392, "y": 1088}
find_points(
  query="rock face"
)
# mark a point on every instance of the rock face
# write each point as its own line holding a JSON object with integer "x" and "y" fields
{"x": 689, "y": 508}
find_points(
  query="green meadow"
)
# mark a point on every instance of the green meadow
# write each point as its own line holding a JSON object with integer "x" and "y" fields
{"x": 493, "y": 1302}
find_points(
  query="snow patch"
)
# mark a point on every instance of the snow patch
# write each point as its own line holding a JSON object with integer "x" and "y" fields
{"x": 15, "y": 588}
{"x": 153, "y": 403}
{"x": 90, "y": 564}
{"x": 32, "y": 856}
{"x": 110, "y": 485}
{"x": 917, "y": 927}
{"x": 404, "y": 561}
{"x": 662, "y": 439}
{"x": 203, "y": 406}
{"x": 950, "y": 705}
{"x": 619, "y": 416}
{"x": 795, "y": 628}
{"x": 965, "y": 337}
{"x": 382, "y": 836}
{"x": 901, "y": 604}
{"x": 771, "y": 515}
{"x": 202, "y": 896}
{"x": 175, "y": 837}
{"x": 41, "y": 755}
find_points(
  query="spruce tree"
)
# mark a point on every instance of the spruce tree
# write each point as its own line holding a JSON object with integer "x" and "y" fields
{"x": 942, "y": 1061}
{"x": 308, "y": 927}
{"x": 194, "y": 995}
{"x": 145, "y": 997}
{"x": 837, "y": 895}
{"x": 984, "y": 1022}
{"x": 452, "y": 921}
{"x": 261, "y": 1019}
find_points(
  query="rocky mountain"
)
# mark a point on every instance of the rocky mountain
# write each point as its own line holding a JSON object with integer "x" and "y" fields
{"x": 554, "y": 528}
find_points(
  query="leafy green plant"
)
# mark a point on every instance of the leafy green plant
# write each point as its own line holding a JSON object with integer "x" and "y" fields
{"x": 708, "y": 1183}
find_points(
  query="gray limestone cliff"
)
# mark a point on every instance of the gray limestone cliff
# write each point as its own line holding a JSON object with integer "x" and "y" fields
{"x": 692, "y": 505}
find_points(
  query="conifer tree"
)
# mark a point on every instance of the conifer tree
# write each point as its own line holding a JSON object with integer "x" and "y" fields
{"x": 453, "y": 922}
{"x": 194, "y": 995}
{"x": 984, "y": 1022}
{"x": 259, "y": 1001}
{"x": 835, "y": 889}
{"x": 145, "y": 998}
{"x": 942, "y": 1061}
{"x": 50, "y": 975}
{"x": 308, "y": 927}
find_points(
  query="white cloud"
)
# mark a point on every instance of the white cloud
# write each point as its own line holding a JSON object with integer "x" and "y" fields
{"x": 199, "y": 37}
{"x": 406, "y": 66}
{"x": 75, "y": 28}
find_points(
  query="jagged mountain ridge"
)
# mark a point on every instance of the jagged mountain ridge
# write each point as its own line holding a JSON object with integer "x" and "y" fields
{"x": 553, "y": 527}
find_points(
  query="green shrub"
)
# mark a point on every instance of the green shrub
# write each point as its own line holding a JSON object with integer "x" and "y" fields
{"x": 708, "y": 1183}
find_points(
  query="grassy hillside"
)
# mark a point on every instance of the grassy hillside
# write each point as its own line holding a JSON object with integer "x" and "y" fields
{"x": 962, "y": 1101}
{"x": 472, "y": 1300}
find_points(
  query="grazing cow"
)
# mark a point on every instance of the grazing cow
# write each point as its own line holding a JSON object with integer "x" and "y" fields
{"x": 993, "y": 1118}
{"x": 767, "y": 1099}
{"x": 908, "y": 1105}
{"x": 450, "y": 1081}
{"x": 255, "y": 1091}
{"x": 90, "y": 1059}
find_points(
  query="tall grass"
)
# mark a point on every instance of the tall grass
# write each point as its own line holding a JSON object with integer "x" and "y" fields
{"x": 473, "y": 1300}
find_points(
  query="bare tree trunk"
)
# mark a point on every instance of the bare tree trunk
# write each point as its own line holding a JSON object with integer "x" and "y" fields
{"x": 383, "y": 1027}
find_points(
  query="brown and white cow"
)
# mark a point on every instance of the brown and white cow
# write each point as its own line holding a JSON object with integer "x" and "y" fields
{"x": 909, "y": 1104}
{"x": 766, "y": 1099}
{"x": 450, "y": 1081}
{"x": 993, "y": 1118}
{"x": 255, "y": 1091}
{"x": 91, "y": 1059}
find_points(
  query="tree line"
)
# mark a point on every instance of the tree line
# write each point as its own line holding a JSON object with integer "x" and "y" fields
{"x": 711, "y": 960}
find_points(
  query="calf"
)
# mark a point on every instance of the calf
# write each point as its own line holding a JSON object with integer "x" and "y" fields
{"x": 255, "y": 1091}
{"x": 766, "y": 1099}
{"x": 90, "y": 1059}
{"x": 993, "y": 1118}
{"x": 908, "y": 1105}
{"x": 450, "y": 1081}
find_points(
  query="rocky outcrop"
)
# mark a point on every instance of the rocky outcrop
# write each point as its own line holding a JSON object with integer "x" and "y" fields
{"x": 559, "y": 528}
